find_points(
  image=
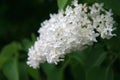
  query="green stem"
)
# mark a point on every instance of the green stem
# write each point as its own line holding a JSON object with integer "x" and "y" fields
{"x": 109, "y": 66}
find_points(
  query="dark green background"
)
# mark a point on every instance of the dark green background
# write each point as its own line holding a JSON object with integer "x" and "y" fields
{"x": 20, "y": 18}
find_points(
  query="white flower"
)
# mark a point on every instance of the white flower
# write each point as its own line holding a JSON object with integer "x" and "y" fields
{"x": 70, "y": 30}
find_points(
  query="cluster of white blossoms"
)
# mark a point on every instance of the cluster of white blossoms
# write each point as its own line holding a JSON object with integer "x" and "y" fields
{"x": 70, "y": 30}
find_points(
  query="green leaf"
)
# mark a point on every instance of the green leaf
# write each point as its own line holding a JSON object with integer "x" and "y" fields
{"x": 8, "y": 51}
{"x": 23, "y": 71}
{"x": 79, "y": 56}
{"x": 53, "y": 72}
{"x": 10, "y": 69}
{"x": 109, "y": 74}
{"x": 91, "y": 56}
{"x": 34, "y": 73}
{"x": 26, "y": 44}
{"x": 99, "y": 73}
{"x": 100, "y": 59}
{"x": 95, "y": 56}
{"x": 33, "y": 36}
{"x": 62, "y": 4}
{"x": 77, "y": 69}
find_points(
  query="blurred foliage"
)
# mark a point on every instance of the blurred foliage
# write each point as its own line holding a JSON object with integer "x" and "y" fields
{"x": 19, "y": 22}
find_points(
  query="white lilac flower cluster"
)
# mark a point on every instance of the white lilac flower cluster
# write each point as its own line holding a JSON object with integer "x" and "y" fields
{"x": 79, "y": 25}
